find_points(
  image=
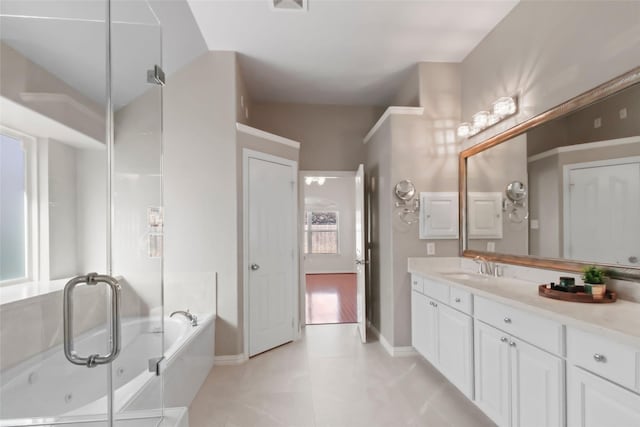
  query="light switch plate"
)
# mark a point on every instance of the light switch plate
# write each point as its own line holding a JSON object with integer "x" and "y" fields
{"x": 491, "y": 246}
{"x": 534, "y": 224}
{"x": 623, "y": 113}
{"x": 597, "y": 123}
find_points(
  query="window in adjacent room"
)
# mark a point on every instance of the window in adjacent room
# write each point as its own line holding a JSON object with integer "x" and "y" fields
{"x": 321, "y": 232}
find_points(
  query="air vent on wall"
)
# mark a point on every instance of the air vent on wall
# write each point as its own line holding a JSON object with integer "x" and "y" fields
{"x": 290, "y": 5}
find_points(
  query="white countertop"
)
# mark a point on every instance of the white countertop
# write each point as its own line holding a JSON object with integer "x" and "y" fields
{"x": 619, "y": 321}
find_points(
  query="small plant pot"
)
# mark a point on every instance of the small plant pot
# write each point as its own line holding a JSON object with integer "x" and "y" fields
{"x": 598, "y": 291}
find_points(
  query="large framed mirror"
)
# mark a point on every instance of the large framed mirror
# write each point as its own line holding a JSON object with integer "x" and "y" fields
{"x": 562, "y": 189}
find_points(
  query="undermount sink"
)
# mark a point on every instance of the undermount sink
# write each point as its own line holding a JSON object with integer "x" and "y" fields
{"x": 465, "y": 276}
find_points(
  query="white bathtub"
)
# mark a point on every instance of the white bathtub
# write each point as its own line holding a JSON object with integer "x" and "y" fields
{"x": 48, "y": 387}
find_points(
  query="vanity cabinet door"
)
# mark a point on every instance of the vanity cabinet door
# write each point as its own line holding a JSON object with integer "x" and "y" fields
{"x": 537, "y": 386}
{"x": 419, "y": 323}
{"x": 455, "y": 348}
{"x": 431, "y": 332}
{"x": 492, "y": 385}
{"x": 596, "y": 402}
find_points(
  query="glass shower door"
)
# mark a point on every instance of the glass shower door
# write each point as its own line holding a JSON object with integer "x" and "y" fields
{"x": 137, "y": 233}
{"x": 80, "y": 119}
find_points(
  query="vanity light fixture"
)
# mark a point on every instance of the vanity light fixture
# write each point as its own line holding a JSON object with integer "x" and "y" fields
{"x": 320, "y": 180}
{"x": 500, "y": 109}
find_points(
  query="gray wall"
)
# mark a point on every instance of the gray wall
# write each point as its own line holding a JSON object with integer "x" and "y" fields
{"x": 330, "y": 135}
{"x": 424, "y": 150}
{"x": 200, "y": 193}
{"x": 547, "y": 53}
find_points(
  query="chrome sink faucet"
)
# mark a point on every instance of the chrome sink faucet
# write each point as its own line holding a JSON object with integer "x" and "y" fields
{"x": 487, "y": 268}
{"x": 192, "y": 317}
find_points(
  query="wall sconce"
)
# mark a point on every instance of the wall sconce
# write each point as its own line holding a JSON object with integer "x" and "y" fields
{"x": 409, "y": 207}
{"x": 500, "y": 109}
{"x": 515, "y": 205}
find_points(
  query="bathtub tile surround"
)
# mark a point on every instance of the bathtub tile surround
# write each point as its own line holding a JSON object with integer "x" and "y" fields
{"x": 329, "y": 379}
{"x": 523, "y": 345}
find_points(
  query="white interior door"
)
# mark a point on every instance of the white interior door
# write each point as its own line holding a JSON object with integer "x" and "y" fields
{"x": 360, "y": 258}
{"x": 270, "y": 204}
{"x": 601, "y": 213}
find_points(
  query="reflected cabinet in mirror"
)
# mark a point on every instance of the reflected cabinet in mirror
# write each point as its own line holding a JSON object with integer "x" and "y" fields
{"x": 563, "y": 189}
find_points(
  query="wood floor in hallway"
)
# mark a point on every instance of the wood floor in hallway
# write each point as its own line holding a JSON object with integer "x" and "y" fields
{"x": 331, "y": 298}
{"x": 328, "y": 378}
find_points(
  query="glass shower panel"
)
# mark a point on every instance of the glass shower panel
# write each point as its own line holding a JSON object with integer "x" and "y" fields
{"x": 137, "y": 203}
{"x": 53, "y": 101}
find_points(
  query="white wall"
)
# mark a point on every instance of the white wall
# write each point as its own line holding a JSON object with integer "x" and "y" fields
{"x": 337, "y": 194}
{"x": 548, "y": 52}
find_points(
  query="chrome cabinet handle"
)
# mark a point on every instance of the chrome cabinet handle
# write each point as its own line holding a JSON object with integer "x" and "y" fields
{"x": 599, "y": 357}
{"x": 507, "y": 320}
{"x": 91, "y": 360}
{"x": 512, "y": 343}
{"x": 504, "y": 339}
{"x": 457, "y": 299}
{"x": 255, "y": 267}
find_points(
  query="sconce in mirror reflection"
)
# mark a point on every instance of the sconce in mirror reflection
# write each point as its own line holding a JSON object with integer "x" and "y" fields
{"x": 515, "y": 205}
{"x": 407, "y": 206}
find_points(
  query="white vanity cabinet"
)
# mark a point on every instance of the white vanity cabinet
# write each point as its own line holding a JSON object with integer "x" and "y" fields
{"x": 442, "y": 334}
{"x": 596, "y": 402}
{"x": 516, "y": 383}
{"x": 455, "y": 347}
{"x": 603, "y": 381}
{"x": 424, "y": 325}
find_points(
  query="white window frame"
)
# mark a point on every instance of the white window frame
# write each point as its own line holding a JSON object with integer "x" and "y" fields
{"x": 29, "y": 144}
{"x": 309, "y": 232}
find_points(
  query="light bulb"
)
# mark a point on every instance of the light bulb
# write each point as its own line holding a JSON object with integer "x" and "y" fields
{"x": 480, "y": 119}
{"x": 504, "y": 106}
{"x": 464, "y": 129}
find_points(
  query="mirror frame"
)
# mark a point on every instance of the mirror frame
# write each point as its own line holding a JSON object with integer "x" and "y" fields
{"x": 598, "y": 93}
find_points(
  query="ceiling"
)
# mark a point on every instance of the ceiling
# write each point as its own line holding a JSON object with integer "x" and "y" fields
{"x": 354, "y": 52}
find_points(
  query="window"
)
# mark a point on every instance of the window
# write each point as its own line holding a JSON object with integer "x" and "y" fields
{"x": 321, "y": 232}
{"x": 15, "y": 214}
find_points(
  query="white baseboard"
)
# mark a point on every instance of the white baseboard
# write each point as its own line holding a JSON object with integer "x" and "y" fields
{"x": 393, "y": 351}
{"x": 234, "y": 359}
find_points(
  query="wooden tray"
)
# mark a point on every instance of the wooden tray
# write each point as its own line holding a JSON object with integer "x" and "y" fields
{"x": 580, "y": 296}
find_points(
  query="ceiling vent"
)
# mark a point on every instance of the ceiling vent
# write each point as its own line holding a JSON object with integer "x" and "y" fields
{"x": 289, "y": 5}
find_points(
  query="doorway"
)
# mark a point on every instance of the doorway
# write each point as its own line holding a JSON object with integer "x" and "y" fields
{"x": 331, "y": 224}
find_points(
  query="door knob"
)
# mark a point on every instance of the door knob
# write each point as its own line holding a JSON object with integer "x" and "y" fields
{"x": 255, "y": 267}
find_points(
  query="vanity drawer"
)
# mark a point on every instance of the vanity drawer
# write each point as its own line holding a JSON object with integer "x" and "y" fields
{"x": 609, "y": 359}
{"x": 544, "y": 333}
{"x": 461, "y": 300}
{"x": 416, "y": 283}
{"x": 436, "y": 290}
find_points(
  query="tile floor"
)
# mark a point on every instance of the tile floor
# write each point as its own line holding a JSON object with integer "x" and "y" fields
{"x": 329, "y": 378}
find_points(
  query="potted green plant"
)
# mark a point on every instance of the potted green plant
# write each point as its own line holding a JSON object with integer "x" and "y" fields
{"x": 594, "y": 281}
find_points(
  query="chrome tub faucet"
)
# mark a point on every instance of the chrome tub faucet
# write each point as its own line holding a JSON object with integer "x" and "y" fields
{"x": 192, "y": 317}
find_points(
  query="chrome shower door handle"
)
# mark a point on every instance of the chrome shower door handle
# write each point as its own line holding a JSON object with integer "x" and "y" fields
{"x": 255, "y": 267}
{"x": 92, "y": 360}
